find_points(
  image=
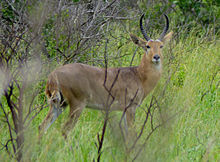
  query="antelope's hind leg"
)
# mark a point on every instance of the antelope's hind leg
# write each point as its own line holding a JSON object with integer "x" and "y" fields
{"x": 74, "y": 114}
{"x": 56, "y": 108}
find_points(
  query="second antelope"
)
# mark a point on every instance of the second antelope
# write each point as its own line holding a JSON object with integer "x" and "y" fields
{"x": 81, "y": 85}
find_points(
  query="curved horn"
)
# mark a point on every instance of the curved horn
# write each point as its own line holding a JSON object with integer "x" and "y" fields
{"x": 165, "y": 28}
{"x": 142, "y": 29}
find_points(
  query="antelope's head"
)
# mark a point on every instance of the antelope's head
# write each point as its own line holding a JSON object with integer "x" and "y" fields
{"x": 152, "y": 47}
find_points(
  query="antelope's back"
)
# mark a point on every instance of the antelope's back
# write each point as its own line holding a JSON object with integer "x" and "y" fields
{"x": 83, "y": 83}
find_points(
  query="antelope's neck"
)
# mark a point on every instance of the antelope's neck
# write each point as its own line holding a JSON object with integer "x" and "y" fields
{"x": 149, "y": 73}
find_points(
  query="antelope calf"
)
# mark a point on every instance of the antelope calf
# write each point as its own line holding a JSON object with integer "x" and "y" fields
{"x": 80, "y": 85}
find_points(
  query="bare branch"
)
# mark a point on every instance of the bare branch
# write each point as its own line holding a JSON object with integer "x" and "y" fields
{"x": 10, "y": 131}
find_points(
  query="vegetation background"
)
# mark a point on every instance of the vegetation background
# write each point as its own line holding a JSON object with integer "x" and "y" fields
{"x": 179, "y": 120}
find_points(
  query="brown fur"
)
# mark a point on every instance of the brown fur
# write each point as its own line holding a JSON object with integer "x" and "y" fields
{"x": 82, "y": 85}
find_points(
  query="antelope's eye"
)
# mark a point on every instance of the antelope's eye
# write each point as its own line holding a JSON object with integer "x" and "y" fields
{"x": 161, "y": 46}
{"x": 148, "y": 46}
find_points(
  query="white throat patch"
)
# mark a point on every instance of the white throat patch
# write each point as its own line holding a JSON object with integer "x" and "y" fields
{"x": 158, "y": 66}
{"x": 158, "y": 40}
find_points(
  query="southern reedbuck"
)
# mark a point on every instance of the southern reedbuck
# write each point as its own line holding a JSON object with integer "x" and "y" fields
{"x": 81, "y": 85}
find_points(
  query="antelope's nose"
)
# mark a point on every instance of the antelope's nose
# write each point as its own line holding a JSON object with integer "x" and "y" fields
{"x": 156, "y": 57}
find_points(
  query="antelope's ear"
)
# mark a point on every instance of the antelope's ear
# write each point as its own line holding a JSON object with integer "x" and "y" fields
{"x": 138, "y": 41}
{"x": 167, "y": 37}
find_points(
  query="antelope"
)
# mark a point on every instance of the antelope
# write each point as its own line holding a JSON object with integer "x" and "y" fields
{"x": 80, "y": 85}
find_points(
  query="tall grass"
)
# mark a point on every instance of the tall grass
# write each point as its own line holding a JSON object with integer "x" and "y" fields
{"x": 192, "y": 135}
{"x": 193, "y": 94}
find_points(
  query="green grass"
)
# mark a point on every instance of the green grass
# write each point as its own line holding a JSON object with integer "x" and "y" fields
{"x": 192, "y": 135}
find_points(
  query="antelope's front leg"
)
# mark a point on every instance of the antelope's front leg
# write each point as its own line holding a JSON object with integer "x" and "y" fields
{"x": 130, "y": 118}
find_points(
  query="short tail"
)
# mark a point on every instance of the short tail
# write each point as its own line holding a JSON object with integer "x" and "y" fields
{"x": 53, "y": 91}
